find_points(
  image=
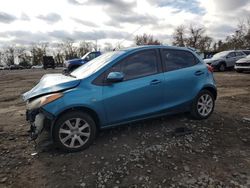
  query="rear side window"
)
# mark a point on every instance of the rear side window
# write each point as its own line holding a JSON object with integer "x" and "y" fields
{"x": 178, "y": 59}
{"x": 138, "y": 65}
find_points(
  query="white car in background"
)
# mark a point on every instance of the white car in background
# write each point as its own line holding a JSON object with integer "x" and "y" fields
{"x": 243, "y": 64}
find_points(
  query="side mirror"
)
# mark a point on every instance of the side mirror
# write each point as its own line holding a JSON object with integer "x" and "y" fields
{"x": 115, "y": 77}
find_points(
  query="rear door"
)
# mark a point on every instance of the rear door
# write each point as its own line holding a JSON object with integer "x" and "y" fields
{"x": 231, "y": 59}
{"x": 183, "y": 77}
{"x": 140, "y": 93}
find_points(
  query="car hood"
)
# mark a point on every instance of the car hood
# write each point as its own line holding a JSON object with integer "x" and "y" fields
{"x": 212, "y": 60}
{"x": 243, "y": 60}
{"x": 50, "y": 83}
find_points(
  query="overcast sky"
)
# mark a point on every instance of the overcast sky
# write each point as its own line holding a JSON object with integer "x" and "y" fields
{"x": 30, "y": 21}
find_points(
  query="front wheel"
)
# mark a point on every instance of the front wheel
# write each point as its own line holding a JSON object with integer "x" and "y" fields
{"x": 203, "y": 105}
{"x": 74, "y": 131}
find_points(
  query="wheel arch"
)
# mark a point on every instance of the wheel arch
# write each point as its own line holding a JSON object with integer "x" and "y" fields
{"x": 212, "y": 89}
{"x": 87, "y": 110}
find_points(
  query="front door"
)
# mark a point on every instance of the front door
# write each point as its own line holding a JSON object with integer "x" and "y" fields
{"x": 140, "y": 93}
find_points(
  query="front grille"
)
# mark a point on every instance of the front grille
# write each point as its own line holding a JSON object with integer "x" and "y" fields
{"x": 242, "y": 64}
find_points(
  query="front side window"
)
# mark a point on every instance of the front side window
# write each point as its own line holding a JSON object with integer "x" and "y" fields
{"x": 178, "y": 59}
{"x": 138, "y": 65}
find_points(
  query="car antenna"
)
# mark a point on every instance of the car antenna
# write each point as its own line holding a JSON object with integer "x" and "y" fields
{"x": 119, "y": 43}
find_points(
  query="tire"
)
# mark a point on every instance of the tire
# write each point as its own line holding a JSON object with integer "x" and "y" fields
{"x": 74, "y": 131}
{"x": 201, "y": 107}
{"x": 222, "y": 67}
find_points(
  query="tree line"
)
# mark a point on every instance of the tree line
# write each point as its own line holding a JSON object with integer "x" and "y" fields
{"x": 183, "y": 36}
{"x": 195, "y": 36}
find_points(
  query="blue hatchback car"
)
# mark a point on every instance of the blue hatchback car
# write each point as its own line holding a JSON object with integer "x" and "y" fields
{"x": 117, "y": 88}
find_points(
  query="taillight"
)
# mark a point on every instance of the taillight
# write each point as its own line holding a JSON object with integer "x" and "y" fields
{"x": 210, "y": 68}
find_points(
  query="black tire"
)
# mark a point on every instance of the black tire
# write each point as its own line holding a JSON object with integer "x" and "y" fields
{"x": 222, "y": 67}
{"x": 195, "y": 106}
{"x": 239, "y": 71}
{"x": 61, "y": 125}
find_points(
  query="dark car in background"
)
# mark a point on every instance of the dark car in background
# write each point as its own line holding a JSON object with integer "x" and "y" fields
{"x": 15, "y": 67}
{"x": 48, "y": 62}
{"x": 72, "y": 64}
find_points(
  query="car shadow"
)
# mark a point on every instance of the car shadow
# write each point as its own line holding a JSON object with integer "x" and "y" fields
{"x": 126, "y": 132}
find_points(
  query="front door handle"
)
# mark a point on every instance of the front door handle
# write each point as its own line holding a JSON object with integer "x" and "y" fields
{"x": 198, "y": 73}
{"x": 154, "y": 82}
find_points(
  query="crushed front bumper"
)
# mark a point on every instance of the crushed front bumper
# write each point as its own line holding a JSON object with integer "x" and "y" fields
{"x": 36, "y": 119}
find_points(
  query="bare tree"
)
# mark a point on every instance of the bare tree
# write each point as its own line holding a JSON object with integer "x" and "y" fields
{"x": 69, "y": 50}
{"x": 85, "y": 47}
{"x": 146, "y": 39}
{"x": 195, "y": 36}
{"x": 38, "y": 51}
{"x": 10, "y": 55}
{"x": 205, "y": 43}
{"x": 179, "y": 36}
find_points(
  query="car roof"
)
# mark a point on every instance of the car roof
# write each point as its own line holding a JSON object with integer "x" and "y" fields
{"x": 144, "y": 47}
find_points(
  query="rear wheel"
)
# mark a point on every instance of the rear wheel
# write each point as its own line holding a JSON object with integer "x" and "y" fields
{"x": 222, "y": 67}
{"x": 203, "y": 105}
{"x": 74, "y": 131}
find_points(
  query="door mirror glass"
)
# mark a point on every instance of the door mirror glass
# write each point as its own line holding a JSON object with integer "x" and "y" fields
{"x": 115, "y": 77}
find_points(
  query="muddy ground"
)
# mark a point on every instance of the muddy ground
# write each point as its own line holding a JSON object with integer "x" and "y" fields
{"x": 143, "y": 154}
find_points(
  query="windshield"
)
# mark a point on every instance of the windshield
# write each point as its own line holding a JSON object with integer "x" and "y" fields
{"x": 83, "y": 57}
{"x": 95, "y": 64}
{"x": 221, "y": 54}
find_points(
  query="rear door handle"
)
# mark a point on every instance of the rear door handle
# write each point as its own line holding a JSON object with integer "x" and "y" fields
{"x": 154, "y": 82}
{"x": 198, "y": 73}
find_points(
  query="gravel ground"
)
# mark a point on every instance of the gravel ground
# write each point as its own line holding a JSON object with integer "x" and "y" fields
{"x": 216, "y": 153}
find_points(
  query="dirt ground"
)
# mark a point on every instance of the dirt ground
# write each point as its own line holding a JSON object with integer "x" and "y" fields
{"x": 143, "y": 154}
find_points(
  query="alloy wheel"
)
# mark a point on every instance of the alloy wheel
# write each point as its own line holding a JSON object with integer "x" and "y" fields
{"x": 205, "y": 105}
{"x": 74, "y": 133}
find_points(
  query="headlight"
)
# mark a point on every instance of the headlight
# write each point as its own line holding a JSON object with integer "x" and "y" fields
{"x": 41, "y": 101}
